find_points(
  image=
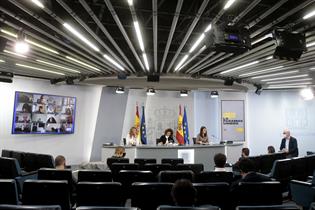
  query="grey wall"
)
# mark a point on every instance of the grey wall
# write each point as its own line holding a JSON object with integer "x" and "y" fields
{"x": 110, "y": 120}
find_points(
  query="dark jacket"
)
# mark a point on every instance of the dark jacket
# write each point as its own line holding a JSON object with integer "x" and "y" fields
{"x": 163, "y": 139}
{"x": 293, "y": 147}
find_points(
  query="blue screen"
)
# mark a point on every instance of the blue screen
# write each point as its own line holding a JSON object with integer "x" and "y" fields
{"x": 36, "y": 113}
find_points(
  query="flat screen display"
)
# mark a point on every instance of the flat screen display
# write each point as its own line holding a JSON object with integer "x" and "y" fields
{"x": 36, "y": 113}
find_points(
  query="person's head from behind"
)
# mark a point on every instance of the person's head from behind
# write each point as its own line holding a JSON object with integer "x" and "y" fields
{"x": 168, "y": 132}
{"x": 286, "y": 133}
{"x": 60, "y": 162}
{"x": 203, "y": 131}
{"x": 246, "y": 166}
{"x": 245, "y": 152}
{"x": 120, "y": 152}
{"x": 184, "y": 193}
{"x": 133, "y": 132}
{"x": 220, "y": 160}
{"x": 271, "y": 150}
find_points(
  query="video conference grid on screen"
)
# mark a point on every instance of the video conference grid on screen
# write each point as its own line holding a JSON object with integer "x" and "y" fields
{"x": 43, "y": 114}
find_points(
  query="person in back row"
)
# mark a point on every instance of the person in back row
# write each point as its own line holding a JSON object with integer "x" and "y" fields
{"x": 167, "y": 138}
{"x": 271, "y": 150}
{"x": 220, "y": 161}
{"x": 245, "y": 152}
{"x": 184, "y": 193}
{"x": 60, "y": 162}
{"x": 289, "y": 144}
{"x": 202, "y": 137}
{"x": 119, "y": 152}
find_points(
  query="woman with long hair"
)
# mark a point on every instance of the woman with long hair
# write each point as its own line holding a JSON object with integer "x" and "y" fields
{"x": 202, "y": 137}
{"x": 132, "y": 137}
{"x": 167, "y": 138}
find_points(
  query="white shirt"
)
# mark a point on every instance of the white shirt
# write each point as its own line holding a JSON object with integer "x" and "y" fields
{"x": 131, "y": 141}
{"x": 219, "y": 169}
{"x": 287, "y": 144}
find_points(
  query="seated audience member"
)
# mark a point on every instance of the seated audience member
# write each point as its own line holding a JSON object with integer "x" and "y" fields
{"x": 119, "y": 152}
{"x": 60, "y": 162}
{"x": 220, "y": 161}
{"x": 248, "y": 172}
{"x": 184, "y": 193}
{"x": 132, "y": 137}
{"x": 167, "y": 138}
{"x": 202, "y": 137}
{"x": 289, "y": 145}
{"x": 271, "y": 150}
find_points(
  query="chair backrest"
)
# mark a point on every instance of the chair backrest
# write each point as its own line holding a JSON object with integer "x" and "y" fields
{"x": 8, "y": 192}
{"x": 172, "y": 176}
{"x": 44, "y": 161}
{"x": 99, "y": 194}
{"x": 188, "y": 208}
{"x": 299, "y": 168}
{"x": 156, "y": 168}
{"x": 151, "y": 195}
{"x": 116, "y": 167}
{"x": 143, "y": 161}
{"x": 257, "y": 161}
{"x": 310, "y": 164}
{"x": 302, "y": 193}
{"x": 6, "y": 153}
{"x": 213, "y": 194}
{"x": 281, "y": 169}
{"x": 10, "y": 168}
{"x": 28, "y": 207}
{"x": 172, "y": 161}
{"x": 214, "y": 176}
{"x": 46, "y": 192}
{"x": 94, "y": 176}
{"x": 110, "y": 161}
{"x": 127, "y": 177}
{"x": 258, "y": 193}
{"x": 270, "y": 207}
{"x": 194, "y": 140}
{"x": 197, "y": 168}
{"x": 55, "y": 174}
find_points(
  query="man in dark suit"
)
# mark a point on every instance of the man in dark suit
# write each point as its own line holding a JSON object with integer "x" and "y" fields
{"x": 289, "y": 145}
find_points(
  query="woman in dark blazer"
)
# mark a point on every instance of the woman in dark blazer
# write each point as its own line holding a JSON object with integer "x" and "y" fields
{"x": 167, "y": 138}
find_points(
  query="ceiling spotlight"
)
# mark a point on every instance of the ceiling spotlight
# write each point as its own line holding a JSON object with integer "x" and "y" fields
{"x": 120, "y": 90}
{"x": 214, "y": 94}
{"x": 258, "y": 89}
{"x": 150, "y": 92}
{"x": 184, "y": 93}
{"x": 307, "y": 94}
{"x": 21, "y": 46}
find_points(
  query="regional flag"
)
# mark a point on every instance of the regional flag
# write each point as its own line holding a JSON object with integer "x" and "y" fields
{"x": 137, "y": 123}
{"x": 185, "y": 127}
{"x": 143, "y": 128}
{"x": 179, "y": 131}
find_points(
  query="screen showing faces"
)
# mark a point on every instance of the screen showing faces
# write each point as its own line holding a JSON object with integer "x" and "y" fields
{"x": 36, "y": 113}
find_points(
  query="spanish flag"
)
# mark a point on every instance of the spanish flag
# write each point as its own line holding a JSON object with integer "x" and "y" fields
{"x": 179, "y": 131}
{"x": 137, "y": 122}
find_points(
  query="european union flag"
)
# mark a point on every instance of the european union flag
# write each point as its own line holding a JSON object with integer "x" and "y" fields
{"x": 185, "y": 127}
{"x": 143, "y": 128}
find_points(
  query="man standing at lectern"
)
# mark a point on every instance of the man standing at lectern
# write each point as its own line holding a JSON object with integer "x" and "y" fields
{"x": 289, "y": 145}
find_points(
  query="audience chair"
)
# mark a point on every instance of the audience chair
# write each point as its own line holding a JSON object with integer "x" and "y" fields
{"x": 303, "y": 193}
{"x": 94, "y": 176}
{"x": 196, "y": 168}
{"x": 8, "y": 192}
{"x": 214, "y": 176}
{"x": 143, "y": 161}
{"x": 99, "y": 194}
{"x": 271, "y": 207}
{"x": 105, "y": 208}
{"x": 116, "y": 167}
{"x": 46, "y": 192}
{"x": 27, "y": 207}
{"x": 172, "y": 161}
{"x": 187, "y": 208}
{"x": 110, "y": 161}
{"x": 156, "y": 168}
{"x": 151, "y": 195}
{"x": 172, "y": 176}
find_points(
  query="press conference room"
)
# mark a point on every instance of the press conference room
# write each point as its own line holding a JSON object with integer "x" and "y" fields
{"x": 145, "y": 105}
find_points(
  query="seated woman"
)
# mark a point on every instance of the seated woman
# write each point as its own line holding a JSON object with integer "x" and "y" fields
{"x": 202, "y": 137}
{"x": 119, "y": 152}
{"x": 167, "y": 138}
{"x": 271, "y": 150}
{"x": 132, "y": 137}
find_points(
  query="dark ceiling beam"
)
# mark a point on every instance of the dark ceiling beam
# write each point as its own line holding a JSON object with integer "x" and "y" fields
{"x": 155, "y": 32}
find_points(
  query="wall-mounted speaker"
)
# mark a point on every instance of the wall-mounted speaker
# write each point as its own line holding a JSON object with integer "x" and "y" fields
{"x": 153, "y": 78}
{"x": 6, "y": 77}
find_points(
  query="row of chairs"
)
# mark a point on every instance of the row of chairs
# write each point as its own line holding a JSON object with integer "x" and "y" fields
{"x": 143, "y": 161}
{"x": 264, "y": 163}
{"x": 144, "y": 195}
{"x": 30, "y": 161}
{"x": 53, "y": 207}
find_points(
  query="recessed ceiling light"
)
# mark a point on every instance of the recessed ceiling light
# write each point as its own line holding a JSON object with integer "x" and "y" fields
{"x": 214, "y": 94}
{"x": 130, "y": 2}
{"x": 13, "y": 53}
{"x": 195, "y": 45}
{"x": 307, "y": 94}
{"x": 150, "y": 92}
{"x": 269, "y": 57}
{"x": 113, "y": 62}
{"x": 310, "y": 44}
{"x": 120, "y": 90}
{"x": 21, "y": 47}
{"x": 39, "y": 69}
{"x": 262, "y": 38}
{"x": 82, "y": 63}
{"x": 287, "y": 87}
{"x": 139, "y": 36}
{"x": 181, "y": 62}
{"x": 261, "y": 71}
{"x": 2, "y": 61}
{"x": 228, "y": 4}
{"x": 80, "y": 36}
{"x": 9, "y": 33}
{"x": 41, "y": 46}
{"x": 58, "y": 66}
{"x": 183, "y": 93}
{"x": 309, "y": 15}
{"x": 146, "y": 62}
{"x": 38, "y": 3}
{"x": 289, "y": 81}
{"x": 208, "y": 28}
